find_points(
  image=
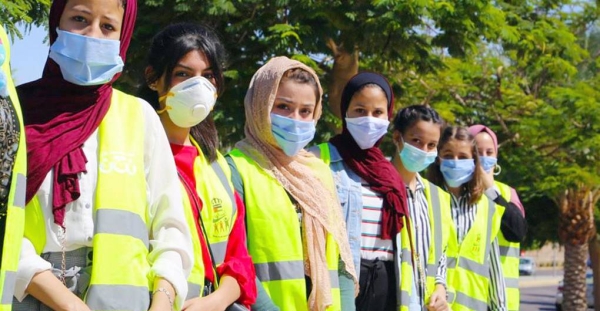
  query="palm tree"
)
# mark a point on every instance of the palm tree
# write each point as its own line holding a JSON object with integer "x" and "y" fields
{"x": 576, "y": 228}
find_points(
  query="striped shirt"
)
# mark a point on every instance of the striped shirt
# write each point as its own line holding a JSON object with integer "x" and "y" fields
{"x": 464, "y": 214}
{"x": 372, "y": 246}
{"x": 418, "y": 211}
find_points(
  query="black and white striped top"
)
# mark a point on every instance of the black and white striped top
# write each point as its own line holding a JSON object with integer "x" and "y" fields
{"x": 464, "y": 214}
{"x": 419, "y": 216}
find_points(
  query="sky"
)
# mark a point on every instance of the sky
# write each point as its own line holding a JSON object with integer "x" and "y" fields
{"x": 28, "y": 55}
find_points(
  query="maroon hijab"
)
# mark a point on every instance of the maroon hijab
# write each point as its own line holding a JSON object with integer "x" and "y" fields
{"x": 370, "y": 164}
{"x": 60, "y": 116}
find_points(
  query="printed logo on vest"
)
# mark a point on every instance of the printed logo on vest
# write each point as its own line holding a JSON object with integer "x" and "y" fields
{"x": 220, "y": 219}
{"x": 118, "y": 163}
{"x": 476, "y": 245}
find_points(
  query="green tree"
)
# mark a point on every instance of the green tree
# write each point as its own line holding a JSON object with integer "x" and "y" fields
{"x": 28, "y": 12}
{"x": 336, "y": 38}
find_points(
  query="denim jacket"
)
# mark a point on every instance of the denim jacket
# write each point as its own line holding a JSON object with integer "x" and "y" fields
{"x": 349, "y": 192}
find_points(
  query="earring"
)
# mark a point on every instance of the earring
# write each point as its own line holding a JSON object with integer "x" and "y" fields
{"x": 497, "y": 170}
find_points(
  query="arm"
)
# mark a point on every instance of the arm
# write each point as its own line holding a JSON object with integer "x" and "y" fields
{"x": 497, "y": 286}
{"x": 513, "y": 225}
{"x": 46, "y": 288}
{"x": 438, "y": 299}
{"x": 170, "y": 257}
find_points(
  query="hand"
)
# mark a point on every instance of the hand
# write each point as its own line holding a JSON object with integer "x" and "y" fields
{"x": 207, "y": 303}
{"x": 488, "y": 178}
{"x": 437, "y": 300}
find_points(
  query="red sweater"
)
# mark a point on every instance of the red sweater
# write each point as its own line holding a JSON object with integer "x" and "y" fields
{"x": 238, "y": 263}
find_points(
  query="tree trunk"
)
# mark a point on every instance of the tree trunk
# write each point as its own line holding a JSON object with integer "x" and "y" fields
{"x": 576, "y": 227}
{"x": 574, "y": 283}
{"x": 345, "y": 66}
{"x": 595, "y": 258}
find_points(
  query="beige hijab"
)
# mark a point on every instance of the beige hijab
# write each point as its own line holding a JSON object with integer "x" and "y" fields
{"x": 321, "y": 211}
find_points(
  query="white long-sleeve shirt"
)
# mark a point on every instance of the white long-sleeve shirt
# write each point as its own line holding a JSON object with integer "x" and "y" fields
{"x": 171, "y": 254}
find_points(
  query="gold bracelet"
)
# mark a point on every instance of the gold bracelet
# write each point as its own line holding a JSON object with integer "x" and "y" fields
{"x": 164, "y": 290}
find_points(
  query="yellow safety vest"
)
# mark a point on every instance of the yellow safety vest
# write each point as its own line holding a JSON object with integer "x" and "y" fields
{"x": 15, "y": 213}
{"x": 468, "y": 262}
{"x": 120, "y": 277}
{"x": 275, "y": 240}
{"x": 438, "y": 202}
{"x": 509, "y": 256}
{"x": 219, "y": 212}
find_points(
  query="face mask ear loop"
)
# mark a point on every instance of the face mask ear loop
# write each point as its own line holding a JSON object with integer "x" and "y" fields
{"x": 164, "y": 98}
{"x": 499, "y": 169}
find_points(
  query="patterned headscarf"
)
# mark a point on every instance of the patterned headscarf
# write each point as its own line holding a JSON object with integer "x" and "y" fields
{"x": 316, "y": 197}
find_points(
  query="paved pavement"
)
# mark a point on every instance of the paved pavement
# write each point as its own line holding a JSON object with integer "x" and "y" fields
{"x": 541, "y": 277}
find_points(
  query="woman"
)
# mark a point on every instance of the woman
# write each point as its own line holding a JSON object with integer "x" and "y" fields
{"x": 474, "y": 261}
{"x": 292, "y": 214}
{"x": 104, "y": 207}
{"x": 417, "y": 131}
{"x": 12, "y": 194}
{"x": 514, "y": 226}
{"x": 373, "y": 195}
{"x": 183, "y": 76}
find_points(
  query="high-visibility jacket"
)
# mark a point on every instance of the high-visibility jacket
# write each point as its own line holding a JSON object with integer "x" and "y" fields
{"x": 15, "y": 213}
{"x": 468, "y": 262}
{"x": 219, "y": 212}
{"x": 275, "y": 238}
{"x": 120, "y": 277}
{"x": 509, "y": 256}
{"x": 438, "y": 203}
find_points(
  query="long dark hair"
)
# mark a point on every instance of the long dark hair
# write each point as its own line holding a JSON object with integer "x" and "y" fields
{"x": 434, "y": 174}
{"x": 167, "y": 48}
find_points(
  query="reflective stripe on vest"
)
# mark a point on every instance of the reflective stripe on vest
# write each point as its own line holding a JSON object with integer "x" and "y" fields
{"x": 509, "y": 256}
{"x": 280, "y": 265}
{"x": 120, "y": 269}
{"x": 470, "y": 259}
{"x": 438, "y": 202}
{"x": 15, "y": 213}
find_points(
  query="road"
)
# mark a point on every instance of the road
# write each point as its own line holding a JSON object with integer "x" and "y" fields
{"x": 538, "y": 298}
{"x": 538, "y": 292}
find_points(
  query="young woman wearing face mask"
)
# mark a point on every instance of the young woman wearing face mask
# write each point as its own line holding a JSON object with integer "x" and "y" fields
{"x": 184, "y": 76}
{"x": 372, "y": 193}
{"x": 14, "y": 166}
{"x": 474, "y": 268}
{"x": 514, "y": 226}
{"x": 296, "y": 234}
{"x": 105, "y": 224}
{"x": 423, "y": 245}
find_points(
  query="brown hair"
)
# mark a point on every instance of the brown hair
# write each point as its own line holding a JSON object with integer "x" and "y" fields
{"x": 301, "y": 76}
{"x": 474, "y": 187}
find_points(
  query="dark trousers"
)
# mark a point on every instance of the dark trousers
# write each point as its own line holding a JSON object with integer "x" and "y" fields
{"x": 377, "y": 286}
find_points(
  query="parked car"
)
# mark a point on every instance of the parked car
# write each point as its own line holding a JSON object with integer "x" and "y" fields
{"x": 589, "y": 292}
{"x": 526, "y": 266}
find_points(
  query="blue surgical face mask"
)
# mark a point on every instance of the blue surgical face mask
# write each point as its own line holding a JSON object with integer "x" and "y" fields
{"x": 366, "y": 131}
{"x": 488, "y": 163}
{"x": 291, "y": 135}
{"x": 85, "y": 60}
{"x": 457, "y": 172}
{"x": 415, "y": 159}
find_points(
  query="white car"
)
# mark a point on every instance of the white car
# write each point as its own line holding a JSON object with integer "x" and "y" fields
{"x": 589, "y": 293}
{"x": 526, "y": 266}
